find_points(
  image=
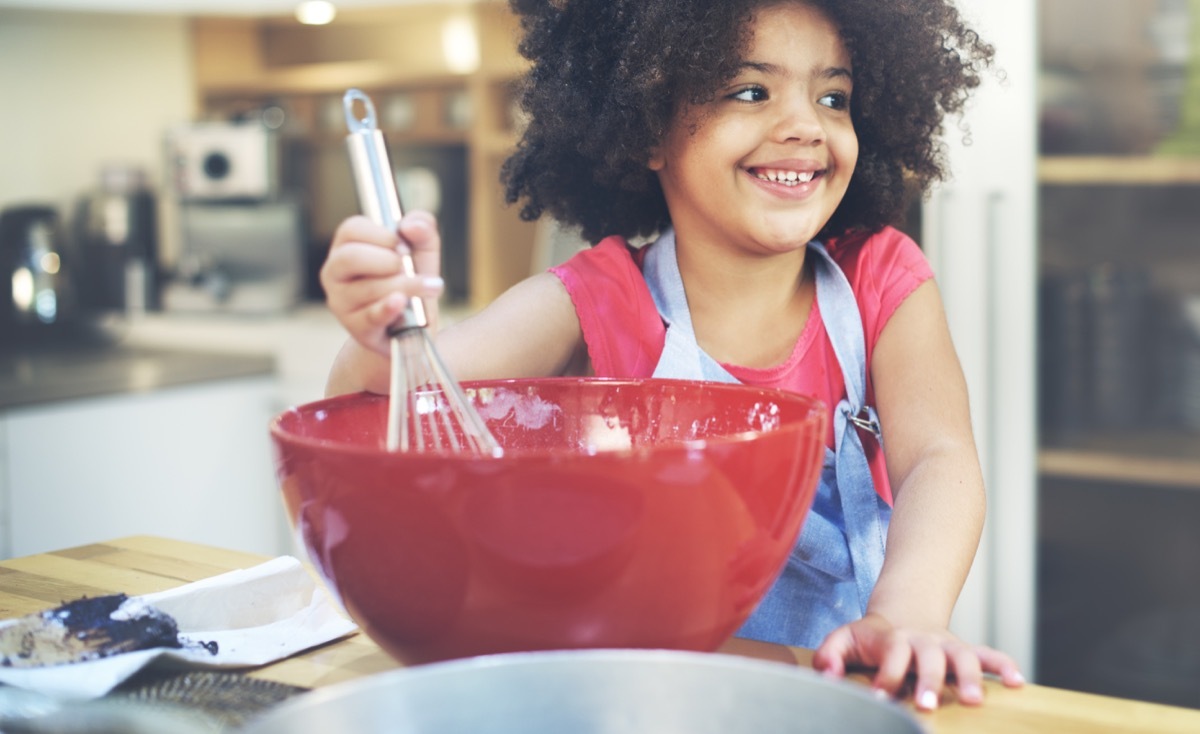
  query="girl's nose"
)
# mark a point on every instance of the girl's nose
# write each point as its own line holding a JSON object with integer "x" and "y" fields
{"x": 798, "y": 122}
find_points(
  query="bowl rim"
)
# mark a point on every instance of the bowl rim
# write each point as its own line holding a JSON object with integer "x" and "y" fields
{"x": 817, "y": 410}
{"x": 368, "y": 689}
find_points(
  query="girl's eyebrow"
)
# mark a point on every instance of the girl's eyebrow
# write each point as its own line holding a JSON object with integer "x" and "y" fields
{"x": 832, "y": 72}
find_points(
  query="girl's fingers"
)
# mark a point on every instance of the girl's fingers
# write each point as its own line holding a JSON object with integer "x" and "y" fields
{"x": 382, "y": 313}
{"x": 380, "y": 296}
{"x": 354, "y": 261}
{"x": 894, "y": 665}
{"x": 419, "y": 230}
{"x": 359, "y": 229}
{"x": 368, "y": 325}
{"x": 968, "y": 674}
{"x": 832, "y": 655}
{"x": 931, "y": 673}
{"x": 365, "y": 272}
{"x": 349, "y": 300}
{"x": 999, "y": 664}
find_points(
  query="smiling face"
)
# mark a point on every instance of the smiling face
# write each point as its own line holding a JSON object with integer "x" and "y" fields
{"x": 764, "y": 165}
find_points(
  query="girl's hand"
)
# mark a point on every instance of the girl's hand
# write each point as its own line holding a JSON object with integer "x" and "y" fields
{"x": 363, "y": 275}
{"x": 896, "y": 652}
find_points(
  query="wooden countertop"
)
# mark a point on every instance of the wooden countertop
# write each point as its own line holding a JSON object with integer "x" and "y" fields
{"x": 143, "y": 564}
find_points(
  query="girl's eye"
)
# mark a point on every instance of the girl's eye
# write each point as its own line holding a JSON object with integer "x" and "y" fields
{"x": 835, "y": 100}
{"x": 750, "y": 94}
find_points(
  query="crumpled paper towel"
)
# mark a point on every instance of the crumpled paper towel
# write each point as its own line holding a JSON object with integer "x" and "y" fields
{"x": 254, "y": 615}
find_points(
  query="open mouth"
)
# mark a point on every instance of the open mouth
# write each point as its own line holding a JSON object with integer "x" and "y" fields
{"x": 784, "y": 177}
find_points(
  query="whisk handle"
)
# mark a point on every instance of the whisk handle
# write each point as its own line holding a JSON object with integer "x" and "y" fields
{"x": 375, "y": 184}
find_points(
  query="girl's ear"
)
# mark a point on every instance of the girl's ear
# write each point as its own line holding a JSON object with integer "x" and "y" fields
{"x": 656, "y": 161}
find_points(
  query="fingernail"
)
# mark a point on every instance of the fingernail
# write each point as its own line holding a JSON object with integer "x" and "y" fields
{"x": 432, "y": 283}
{"x": 927, "y": 700}
{"x": 881, "y": 694}
{"x": 1018, "y": 678}
{"x": 971, "y": 694}
{"x": 418, "y": 222}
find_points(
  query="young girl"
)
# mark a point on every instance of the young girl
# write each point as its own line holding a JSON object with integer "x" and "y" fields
{"x": 768, "y": 145}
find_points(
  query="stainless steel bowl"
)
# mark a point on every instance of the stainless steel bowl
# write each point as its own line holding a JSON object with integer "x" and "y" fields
{"x": 592, "y": 692}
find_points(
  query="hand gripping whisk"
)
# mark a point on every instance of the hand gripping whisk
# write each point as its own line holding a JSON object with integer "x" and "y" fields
{"x": 427, "y": 410}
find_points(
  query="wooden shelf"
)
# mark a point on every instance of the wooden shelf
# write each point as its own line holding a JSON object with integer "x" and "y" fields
{"x": 497, "y": 143}
{"x": 242, "y": 64}
{"x": 1118, "y": 170}
{"x": 328, "y": 78}
{"x": 1161, "y": 458}
{"x": 445, "y": 136}
{"x": 1068, "y": 464}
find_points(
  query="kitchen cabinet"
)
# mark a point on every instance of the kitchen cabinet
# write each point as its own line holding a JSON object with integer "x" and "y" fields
{"x": 1063, "y": 247}
{"x": 190, "y": 462}
{"x": 1119, "y": 348}
{"x": 440, "y": 112}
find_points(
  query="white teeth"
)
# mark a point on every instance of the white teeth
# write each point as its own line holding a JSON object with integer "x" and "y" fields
{"x": 787, "y": 178}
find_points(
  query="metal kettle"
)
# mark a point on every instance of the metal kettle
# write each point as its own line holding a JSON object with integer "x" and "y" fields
{"x": 37, "y": 294}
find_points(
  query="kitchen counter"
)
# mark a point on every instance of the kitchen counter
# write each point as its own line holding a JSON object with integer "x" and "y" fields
{"x": 53, "y": 372}
{"x": 143, "y": 564}
{"x": 136, "y": 438}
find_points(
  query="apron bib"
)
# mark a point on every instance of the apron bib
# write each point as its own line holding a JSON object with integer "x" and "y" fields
{"x": 832, "y": 569}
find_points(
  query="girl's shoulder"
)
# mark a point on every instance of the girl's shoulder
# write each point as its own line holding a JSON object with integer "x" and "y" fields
{"x": 620, "y": 323}
{"x": 612, "y": 261}
{"x": 880, "y": 261}
{"x": 883, "y": 268}
{"x": 883, "y": 250}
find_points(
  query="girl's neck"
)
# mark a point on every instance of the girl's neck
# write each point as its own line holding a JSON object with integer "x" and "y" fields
{"x": 746, "y": 310}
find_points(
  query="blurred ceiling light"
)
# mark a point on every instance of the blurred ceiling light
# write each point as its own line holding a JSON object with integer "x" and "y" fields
{"x": 315, "y": 12}
{"x": 460, "y": 44}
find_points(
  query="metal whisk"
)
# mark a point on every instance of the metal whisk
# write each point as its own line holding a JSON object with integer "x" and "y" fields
{"x": 427, "y": 409}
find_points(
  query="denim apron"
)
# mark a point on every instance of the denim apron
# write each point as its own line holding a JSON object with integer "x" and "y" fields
{"x": 832, "y": 569}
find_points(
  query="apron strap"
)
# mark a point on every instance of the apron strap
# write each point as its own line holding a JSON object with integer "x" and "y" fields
{"x": 682, "y": 357}
{"x": 864, "y": 514}
{"x": 865, "y": 519}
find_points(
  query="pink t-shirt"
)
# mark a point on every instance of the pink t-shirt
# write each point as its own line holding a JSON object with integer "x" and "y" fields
{"x": 624, "y": 332}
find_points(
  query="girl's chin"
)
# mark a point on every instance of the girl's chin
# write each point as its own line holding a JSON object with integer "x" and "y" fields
{"x": 778, "y": 246}
{"x": 788, "y": 236}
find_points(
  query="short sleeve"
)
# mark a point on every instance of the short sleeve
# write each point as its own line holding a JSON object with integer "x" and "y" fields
{"x": 883, "y": 269}
{"x": 621, "y": 326}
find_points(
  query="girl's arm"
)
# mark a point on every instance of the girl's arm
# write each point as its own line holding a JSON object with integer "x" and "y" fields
{"x": 937, "y": 518}
{"x": 531, "y": 330}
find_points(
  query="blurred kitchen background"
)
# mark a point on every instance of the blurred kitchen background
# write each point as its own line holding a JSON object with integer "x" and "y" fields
{"x": 171, "y": 174}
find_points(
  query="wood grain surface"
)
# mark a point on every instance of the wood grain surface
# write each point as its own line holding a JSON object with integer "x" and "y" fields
{"x": 142, "y": 564}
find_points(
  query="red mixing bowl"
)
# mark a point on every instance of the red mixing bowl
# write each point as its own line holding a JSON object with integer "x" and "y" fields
{"x": 622, "y": 513}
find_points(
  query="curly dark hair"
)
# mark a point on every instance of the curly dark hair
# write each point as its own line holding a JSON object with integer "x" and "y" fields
{"x": 608, "y": 76}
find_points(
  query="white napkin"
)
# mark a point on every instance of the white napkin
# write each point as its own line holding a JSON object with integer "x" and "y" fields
{"x": 254, "y": 615}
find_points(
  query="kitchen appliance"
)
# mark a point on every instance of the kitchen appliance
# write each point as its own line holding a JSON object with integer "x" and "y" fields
{"x": 38, "y": 293}
{"x": 622, "y": 513}
{"x": 426, "y": 407}
{"x": 242, "y": 235}
{"x": 116, "y": 234}
{"x": 593, "y": 691}
{"x": 222, "y": 161}
{"x": 243, "y": 257}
